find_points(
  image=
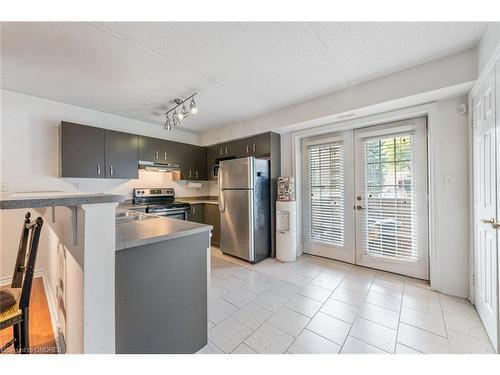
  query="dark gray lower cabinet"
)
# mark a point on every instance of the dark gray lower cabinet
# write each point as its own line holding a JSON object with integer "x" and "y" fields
{"x": 196, "y": 212}
{"x": 121, "y": 154}
{"x": 161, "y": 296}
{"x": 82, "y": 151}
{"x": 211, "y": 216}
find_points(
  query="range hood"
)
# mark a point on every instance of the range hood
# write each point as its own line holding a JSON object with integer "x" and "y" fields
{"x": 159, "y": 167}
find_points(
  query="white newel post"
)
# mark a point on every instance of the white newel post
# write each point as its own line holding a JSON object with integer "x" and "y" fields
{"x": 99, "y": 277}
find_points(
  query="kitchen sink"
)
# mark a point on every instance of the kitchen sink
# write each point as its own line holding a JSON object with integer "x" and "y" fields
{"x": 127, "y": 216}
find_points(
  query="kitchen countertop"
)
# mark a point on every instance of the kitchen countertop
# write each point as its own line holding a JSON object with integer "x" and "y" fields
{"x": 141, "y": 232}
{"x": 54, "y": 198}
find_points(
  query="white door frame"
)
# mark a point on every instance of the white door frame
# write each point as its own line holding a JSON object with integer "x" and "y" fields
{"x": 428, "y": 110}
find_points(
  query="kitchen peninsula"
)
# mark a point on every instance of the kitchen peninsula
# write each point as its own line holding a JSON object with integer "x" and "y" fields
{"x": 111, "y": 258}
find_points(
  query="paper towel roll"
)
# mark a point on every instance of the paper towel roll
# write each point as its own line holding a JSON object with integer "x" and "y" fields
{"x": 194, "y": 185}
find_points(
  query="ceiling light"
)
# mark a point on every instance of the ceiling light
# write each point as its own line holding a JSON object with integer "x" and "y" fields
{"x": 168, "y": 124}
{"x": 184, "y": 111}
{"x": 177, "y": 117}
{"x": 192, "y": 107}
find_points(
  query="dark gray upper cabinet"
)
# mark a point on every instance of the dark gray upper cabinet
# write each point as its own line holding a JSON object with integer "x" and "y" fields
{"x": 159, "y": 150}
{"x": 258, "y": 146}
{"x": 150, "y": 149}
{"x": 212, "y": 153}
{"x": 89, "y": 152}
{"x": 82, "y": 151}
{"x": 193, "y": 162}
{"x": 121, "y": 155}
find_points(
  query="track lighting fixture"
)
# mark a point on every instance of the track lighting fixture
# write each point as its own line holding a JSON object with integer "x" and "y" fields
{"x": 174, "y": 118}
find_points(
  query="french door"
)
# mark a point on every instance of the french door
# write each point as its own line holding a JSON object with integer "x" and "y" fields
{"x": 486, "y": 145}
{"x": 366, "y": 195}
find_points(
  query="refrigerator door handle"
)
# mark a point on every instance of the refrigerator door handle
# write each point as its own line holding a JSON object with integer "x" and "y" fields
{"x": 221, "y": 195}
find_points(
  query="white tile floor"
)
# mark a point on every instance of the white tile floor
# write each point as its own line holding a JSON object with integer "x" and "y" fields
{"x": 317, "y": 305}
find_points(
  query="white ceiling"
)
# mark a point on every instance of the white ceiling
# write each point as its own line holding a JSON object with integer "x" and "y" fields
{"x": 240, "y": 70}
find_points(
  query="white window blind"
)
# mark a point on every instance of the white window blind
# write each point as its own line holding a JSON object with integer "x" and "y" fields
{"x": 390, "y": 215}
{"x": 326, "y": 184}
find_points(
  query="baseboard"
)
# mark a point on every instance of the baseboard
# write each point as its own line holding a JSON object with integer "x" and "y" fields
{"x": 8, "y": 279}
{"x": 50, "y": 302}
{"x": 455, "y": 292}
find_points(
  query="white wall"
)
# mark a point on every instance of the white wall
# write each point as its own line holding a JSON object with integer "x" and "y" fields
{"x": 489, "y": 42}
{"x": 452, "y": 202}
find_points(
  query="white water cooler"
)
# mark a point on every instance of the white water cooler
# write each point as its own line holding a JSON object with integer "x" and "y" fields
{"x": 286, "y": 231}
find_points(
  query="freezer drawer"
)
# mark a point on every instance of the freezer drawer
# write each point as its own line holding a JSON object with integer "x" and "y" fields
{"x": 237, "y": 224}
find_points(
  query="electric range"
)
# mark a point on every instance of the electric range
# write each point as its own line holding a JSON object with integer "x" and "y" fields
{"x": 161, "y": 202}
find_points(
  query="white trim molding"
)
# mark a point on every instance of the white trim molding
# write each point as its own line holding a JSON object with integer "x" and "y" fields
{"x": 428, "y": 110}
{"x": 484, "y": 73}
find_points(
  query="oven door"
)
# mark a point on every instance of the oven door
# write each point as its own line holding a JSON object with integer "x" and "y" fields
{"x": 181, "y": 214}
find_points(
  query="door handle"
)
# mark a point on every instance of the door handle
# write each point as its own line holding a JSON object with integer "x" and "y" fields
{"x": 98, "y": 169}
{"x": 491, "y": 221}
{"x": 165, "y": 155}
{"x": 157, "y": 154}
{"x": 248, "y": 149}
{"x": 111, "y": 170}
{"x": 226, "y": 150}
{"x": 196, "y": 174}
{"x": 219, "y": 181}
{"x": 254, "y": 147}
{"x": 189, "y": 173}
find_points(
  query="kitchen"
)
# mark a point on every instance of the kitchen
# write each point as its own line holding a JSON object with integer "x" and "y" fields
{"x": 191, "y": 209}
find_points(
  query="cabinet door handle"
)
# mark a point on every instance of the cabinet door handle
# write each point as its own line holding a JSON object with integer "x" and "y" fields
{"x": 221, "y": 151}
{"x": 165, "y": 155}
{"x": 189, "y": 174}
{"x": 157, "y": 154}
{"x": 196, "y": 174}
{"x": 226, "y": 150}
{"x": 248, "y": 149}
{"x": 98, "y": 169}
{"x": 111, "y": 170}
{"x": 254, "y": 147}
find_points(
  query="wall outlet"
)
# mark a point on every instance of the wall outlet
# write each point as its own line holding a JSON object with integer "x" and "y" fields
{"x": 462, "y": 109}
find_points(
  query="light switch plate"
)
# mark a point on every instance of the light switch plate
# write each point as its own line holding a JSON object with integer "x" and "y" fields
{"x": 4, "y": 186}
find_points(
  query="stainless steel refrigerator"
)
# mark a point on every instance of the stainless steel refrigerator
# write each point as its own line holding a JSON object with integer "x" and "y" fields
{"x": 244, "y": 205}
